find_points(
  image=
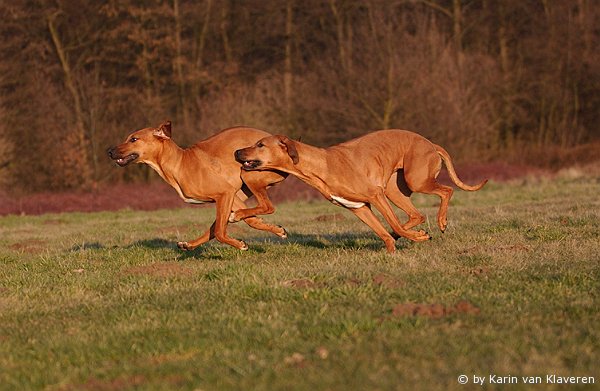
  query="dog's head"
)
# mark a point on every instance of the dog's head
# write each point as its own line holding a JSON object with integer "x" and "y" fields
{"x": 273, "y": 152}
{"x": 141, "y": 146}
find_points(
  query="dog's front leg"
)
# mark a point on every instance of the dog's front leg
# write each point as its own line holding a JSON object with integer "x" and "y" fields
{"x": 224, "y": 207}
{"x": 218, "y": 229}
{"x": 365, "y": 214}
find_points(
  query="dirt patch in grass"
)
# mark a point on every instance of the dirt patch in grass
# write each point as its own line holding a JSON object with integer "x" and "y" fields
{"x": 296, "y": 359}
{"x": 387, "y": 281}
{"x": 352, "y": 282}
{"x": 300, "y": 283}
{"x": 433, "y": 311}
{"x": 160, "y": 270}
{"x": 515, "y": 247}
{"x": 30, "y": 246}
{"x": 479, "y": 271}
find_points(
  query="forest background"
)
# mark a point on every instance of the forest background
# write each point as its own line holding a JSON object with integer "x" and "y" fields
{"x": 508, "y": 80}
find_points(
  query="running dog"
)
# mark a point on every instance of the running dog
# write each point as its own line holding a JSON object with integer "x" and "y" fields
{"x": 369, "y": 170}
{"x": 206, "y": 172}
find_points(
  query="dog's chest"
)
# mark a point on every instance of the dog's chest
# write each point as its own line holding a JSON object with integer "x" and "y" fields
{"x": 192, "y": 200}
{"x": 185, "y": 197}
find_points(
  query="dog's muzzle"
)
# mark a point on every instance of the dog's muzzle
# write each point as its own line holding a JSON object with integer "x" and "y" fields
{"x": 246, "y": 164}
{"x": 121, "y": 160}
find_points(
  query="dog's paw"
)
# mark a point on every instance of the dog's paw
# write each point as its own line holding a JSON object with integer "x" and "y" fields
{"x": 185, "y": 246}
{"x": 284, "y": 235}
{"x": 443, "y": 224}
{"x": 244, "y": 246}
{"x": 422, "y": 236}
{"x": 231, "y": 218}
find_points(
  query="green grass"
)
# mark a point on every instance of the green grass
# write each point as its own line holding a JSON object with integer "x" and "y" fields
{"x": 105, "y": 301}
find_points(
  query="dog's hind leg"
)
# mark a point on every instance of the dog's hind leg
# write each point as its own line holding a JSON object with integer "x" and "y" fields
{"x": 257, "y": 222}
{"x": 398, "y": 192}
{"x": 257, "y": 183}
{"x": 421, "y": 178}
{"x": 380, "y": 202}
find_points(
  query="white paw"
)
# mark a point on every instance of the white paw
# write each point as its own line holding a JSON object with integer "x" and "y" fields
{"x": 284, "y": 235}
{"x": 183, "y": 245}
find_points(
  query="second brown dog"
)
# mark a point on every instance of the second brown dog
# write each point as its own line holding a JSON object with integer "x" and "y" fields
{"x": 369, "y": 170}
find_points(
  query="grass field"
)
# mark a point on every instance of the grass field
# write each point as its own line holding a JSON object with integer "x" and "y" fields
{"x": 105, "y": 301}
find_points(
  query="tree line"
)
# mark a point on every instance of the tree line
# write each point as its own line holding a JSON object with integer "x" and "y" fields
{"x": 487, "y": 79}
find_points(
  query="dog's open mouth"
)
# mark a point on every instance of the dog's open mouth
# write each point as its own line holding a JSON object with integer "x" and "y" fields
{"x": 123, "y": 161}
{"x": 251, "y": 164}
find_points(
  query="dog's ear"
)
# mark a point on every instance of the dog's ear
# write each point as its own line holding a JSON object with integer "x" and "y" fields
{"x": 163, "y": 131}
{"x": 290, "y": 148}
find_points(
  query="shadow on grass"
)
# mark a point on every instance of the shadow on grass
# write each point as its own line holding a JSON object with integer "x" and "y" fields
{"x": 345, "y": 240}
{"x": 158, "y": 243}
{"x": 212, "y": 250}
{"x": 262, "y": 244}
{"x": 155, "y": 243}
{"x": 87, "y": 246}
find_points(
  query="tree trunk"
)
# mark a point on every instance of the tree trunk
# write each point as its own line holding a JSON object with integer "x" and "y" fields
{"x": 201, "y": 41}
{"x": 457, "y": 24}
{"x": 507, "y": 123}
{"x": 287, "y": 73}
{"x": 69, "y": 83}
{"x": 179, "y": 64}
{"x": 339, "y": 29}
{"x": 225, "y": 33}
{"x": 72, "y": 89}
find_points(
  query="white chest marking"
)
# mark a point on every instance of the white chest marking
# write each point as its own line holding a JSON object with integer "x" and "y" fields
{"x": 348, "y": 204}
{"x": 193, "y": 201}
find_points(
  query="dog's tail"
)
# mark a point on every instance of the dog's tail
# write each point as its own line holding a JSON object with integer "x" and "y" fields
{"x": 450, "y": 167}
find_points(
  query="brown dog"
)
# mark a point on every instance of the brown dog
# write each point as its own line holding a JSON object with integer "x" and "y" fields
{"x": 364, "y": 172}
{"x": 205, "y": 172}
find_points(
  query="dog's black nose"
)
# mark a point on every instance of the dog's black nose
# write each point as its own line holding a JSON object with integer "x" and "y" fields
{"x": 238, "y": 155}
{"x": 110, "y": 151}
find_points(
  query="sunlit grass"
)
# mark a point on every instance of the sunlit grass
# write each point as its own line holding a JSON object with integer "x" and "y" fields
{"x": 107, "y": 301}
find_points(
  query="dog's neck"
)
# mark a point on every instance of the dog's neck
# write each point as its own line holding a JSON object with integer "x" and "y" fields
{"x": 167, "y": 161}
{"x": 311, "y": 171}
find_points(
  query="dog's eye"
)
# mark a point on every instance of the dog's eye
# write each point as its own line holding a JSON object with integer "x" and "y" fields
{"x": 133, "y": 140}
{"x": 260, "y": 145}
